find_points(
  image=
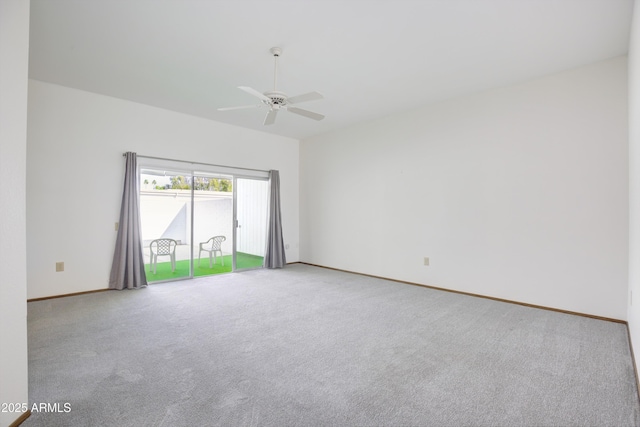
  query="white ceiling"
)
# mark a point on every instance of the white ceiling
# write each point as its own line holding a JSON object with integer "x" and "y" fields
{"x": 370, "y": 58}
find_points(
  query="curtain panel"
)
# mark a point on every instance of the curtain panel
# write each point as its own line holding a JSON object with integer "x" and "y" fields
{"x": 127, "y": 269}
{"x": 275, "y": 255}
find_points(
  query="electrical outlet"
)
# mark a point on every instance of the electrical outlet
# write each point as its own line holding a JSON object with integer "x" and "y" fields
{"x": 59, "y": 266}
{"x": 117, "y": 226}
{"x": 426, "y": 260}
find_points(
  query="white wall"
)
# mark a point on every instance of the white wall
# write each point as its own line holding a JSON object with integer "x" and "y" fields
{"x": 634, "y": 182}
{"x": 75, "y": 173}
{"x": 14, "y": 59}
{"x": 517, "y": 193}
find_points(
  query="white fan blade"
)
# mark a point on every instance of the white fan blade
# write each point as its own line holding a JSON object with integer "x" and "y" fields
{"x": 306, "y": 113}
{"x": 238, "y": 108}
{"x": 255, "y": 93}
{"x": 271, "y": 117}
{"x": 311, "y": 96}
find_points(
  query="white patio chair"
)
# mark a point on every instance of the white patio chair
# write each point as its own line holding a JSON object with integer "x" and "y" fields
{"x": 163, "y": 247}
{"x": 212, "y": 246}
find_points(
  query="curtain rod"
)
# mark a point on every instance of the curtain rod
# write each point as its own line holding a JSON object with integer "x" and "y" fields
{"x": 197, "y": 163}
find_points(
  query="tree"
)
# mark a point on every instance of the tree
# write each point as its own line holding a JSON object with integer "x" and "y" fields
{"x": 180, "y": 183}
{"x": 200, "y": 183}
{"x": 225, "y": 185}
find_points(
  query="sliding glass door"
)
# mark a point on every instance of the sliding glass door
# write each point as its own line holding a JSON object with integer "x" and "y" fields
{"x": 212, "y": 224}
{"x": 251, "y": 207}
{"x": 165, "y": 214}
{"x": 198, "y": 223}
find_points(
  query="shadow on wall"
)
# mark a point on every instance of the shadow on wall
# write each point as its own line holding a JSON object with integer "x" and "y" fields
{"x": 177, "y": 229}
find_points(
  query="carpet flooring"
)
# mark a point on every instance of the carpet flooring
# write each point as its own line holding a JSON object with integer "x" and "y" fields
{"x": 307, "y": 346}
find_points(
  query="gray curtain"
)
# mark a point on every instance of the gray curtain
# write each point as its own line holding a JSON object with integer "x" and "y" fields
{"x": 275, "y": 256}
{"x": 127, "y": 270}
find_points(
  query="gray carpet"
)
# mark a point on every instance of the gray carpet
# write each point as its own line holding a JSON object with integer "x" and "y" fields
{"x": 306, "y": 346}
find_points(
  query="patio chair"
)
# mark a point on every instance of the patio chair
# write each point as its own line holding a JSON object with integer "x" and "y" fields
{"x": 163, "y": 247}
{"x": 212, "y": 246}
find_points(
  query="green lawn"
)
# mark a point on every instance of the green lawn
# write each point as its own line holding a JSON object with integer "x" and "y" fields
{"x": 163, "y": 269}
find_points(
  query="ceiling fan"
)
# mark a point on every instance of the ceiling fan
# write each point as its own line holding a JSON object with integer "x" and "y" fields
{"x": 276, "y": 100}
